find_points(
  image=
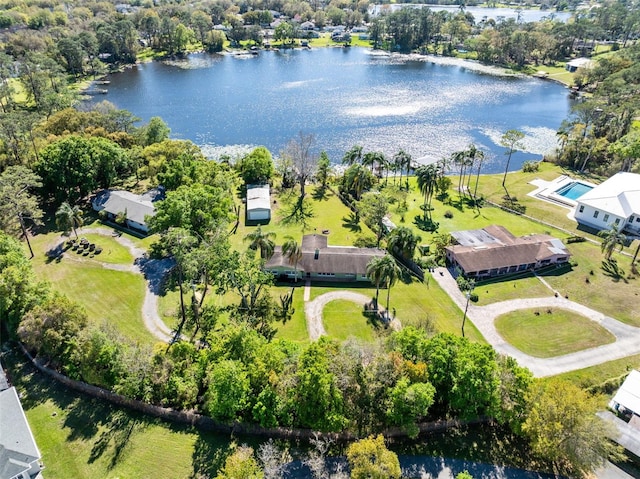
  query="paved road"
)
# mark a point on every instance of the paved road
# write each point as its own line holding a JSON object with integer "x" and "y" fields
{"x": 627, "y": 337}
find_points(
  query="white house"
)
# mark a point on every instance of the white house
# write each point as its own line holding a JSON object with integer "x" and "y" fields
{"x": 627, "y": 399}
{"x": 258, "y": 203}
{"x": 19, "y": 454}
{"x": 576, "y": 63}
{"x": 615, "y": 202}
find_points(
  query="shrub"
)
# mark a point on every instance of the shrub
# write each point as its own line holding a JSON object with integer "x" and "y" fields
{"x": 531, "y": 166}
{"x": 448, "y": 214}
{"x": 576, "y": 239}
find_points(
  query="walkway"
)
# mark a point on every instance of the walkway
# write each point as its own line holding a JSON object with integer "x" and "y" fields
{"x": 627, "y": 337}
{"x": 313, "y": 311}
{"x": 153, "y": 271}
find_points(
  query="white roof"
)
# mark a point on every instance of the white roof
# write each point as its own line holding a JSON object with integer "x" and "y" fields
{"x": 258, "y": 197}
{"x": 114, "y": 201}
{"x": 619, "y": 195}
{"x": 629, "y": 393}
{"x": 579, "y": 62}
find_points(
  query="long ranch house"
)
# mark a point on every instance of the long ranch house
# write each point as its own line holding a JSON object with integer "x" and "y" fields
{"x": 323, "y": 262}
{"x": 494, "y": 251}
{"x": 615, "y": 202}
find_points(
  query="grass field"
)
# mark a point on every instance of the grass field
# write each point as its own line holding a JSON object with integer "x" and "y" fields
{"x": 345, "y": 319}
{"x": 545, "y": 333}
{"x": 110, "y": 296}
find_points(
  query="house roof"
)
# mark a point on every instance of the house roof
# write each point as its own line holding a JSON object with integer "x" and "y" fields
{"x": 579, "y": 62}
{"x": 629, "y": 393}
{"x": 258, "y": 197}
{"x": 495, "y": 247}
{"x": 18, "y": 448}
{"x": 136, "y": 206}
{"x": 619, "y": 195}
{"x": 319, "y": 257}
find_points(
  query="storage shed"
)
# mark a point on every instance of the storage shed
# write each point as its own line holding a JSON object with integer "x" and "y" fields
{"x": 258, "y": 203}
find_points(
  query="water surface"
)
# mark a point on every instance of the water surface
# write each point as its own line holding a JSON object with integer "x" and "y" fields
{"x": 428, "y": 106}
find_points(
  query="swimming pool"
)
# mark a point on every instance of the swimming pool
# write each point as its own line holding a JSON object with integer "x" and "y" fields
{"x": 573, "y": 190}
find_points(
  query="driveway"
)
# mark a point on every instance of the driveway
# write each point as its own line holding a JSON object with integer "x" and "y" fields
{"x": 627, "y": 337}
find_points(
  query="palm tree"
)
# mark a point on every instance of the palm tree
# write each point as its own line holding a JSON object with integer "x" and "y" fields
{"x": 374, "y": 273}
{"x": 390, "y": 274}
{"x": 403, "y": 241}
{"x": 512, "y": 140}
{"x": 262, "y": 241}
{"x": 292, "y": 251}
{"x": 480, "y": 157}
{"x": 69, "y": 217}
{"x": 610, "y": 239}
{"x": 427, "y": 178}
{"x": 372, "y": 158}
{"x": 354, "y": 155}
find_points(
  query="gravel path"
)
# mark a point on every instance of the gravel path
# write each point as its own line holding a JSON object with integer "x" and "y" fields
{"x": 627, "y": 337}
{"x": 153, "y": 271}
{"x": 313, "y": 311}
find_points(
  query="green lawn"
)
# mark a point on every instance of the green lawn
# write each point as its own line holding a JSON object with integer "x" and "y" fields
{"x": 85, "y": 438}
{"x": 296, "y": 328}
{"x": 327, "y": 213}
{"x": 110, "y": 296}
{"x": 524, "y": 285}
{"x": 551, "y": 332}
{"x": 345, "y": 319}
{"x": 595, "y": 375}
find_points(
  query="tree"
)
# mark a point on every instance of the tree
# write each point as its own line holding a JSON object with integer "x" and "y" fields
{"x": 52, "y": 329}
{"x": 69, "y": 217}
{"x": 241, "y": 465}
{"x": 512, "y": 140}
{"x": 563, "y": 428}
{"x": 156, "y": 131}
{"x": 323, "y": 170}
{"x": 402, "y": 161}
{"x": 285, "y": 33}
{"x": 374, "y": 208}
{"x": 19, "y": 290}
{"x": 427, "y": 181}
{"x": 304, "y": 163}
{"x": 370, "y": 459}
{"x": 402, "y": 241}
{"x": 390, "y": 274}
{"x": 409, "y": 403}
{"x": 17, "y": 202}
{"x": 256, "y": 167}
{"x": 197, "y": 208}
{"x": 610, "y": 239}
{"x": 375, "y": 269}
{"x": 228, "y": 390}
{"x": 261, "y": 241}
{"x": 292, "y": 251}
{"x": 353, "y": 156}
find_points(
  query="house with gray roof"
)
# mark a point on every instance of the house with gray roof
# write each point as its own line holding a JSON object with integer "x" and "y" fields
{"x": 494, "y": 251}
{"x": 19, "y": 454}
{"x": 136, "y": 208}
{"x": 320, "y": 261}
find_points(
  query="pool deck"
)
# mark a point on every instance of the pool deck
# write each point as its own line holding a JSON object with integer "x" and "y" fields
{"x": 546, "y": 191}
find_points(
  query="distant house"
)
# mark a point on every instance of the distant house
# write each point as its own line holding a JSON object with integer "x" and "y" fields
{"x": 614, "y": 202}
{"x": 494, "y": 251}
{"x": 307, "y": 25}
{"x": 135, "y": 207}
{"x": 627, "y": 399}
{"x": 576, "y": 63}
{"x": 323, "y": 262}
{"x": 19, "y": 454}
{"x": 258, "y": 203}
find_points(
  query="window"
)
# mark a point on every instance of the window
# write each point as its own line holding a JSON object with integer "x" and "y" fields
{"x": 581, "y": 208}
{"x": 638, "y": 219}
{"x": 631, "y": 219}
{"x": 596, "y": 213}
{"x": 617, "y": 221}
{"x": 606, "y": 218}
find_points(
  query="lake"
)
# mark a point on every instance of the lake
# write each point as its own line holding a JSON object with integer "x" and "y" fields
{"x": 428, "y": 106}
